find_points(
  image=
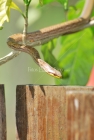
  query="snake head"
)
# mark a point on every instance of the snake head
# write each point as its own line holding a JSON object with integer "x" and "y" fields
{"x": 49, "y": 69}
{"x": 10, "y": 42}
{"x": 15, "y": 41}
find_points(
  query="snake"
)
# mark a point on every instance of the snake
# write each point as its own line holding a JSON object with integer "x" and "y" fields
{"x": 45, "y": 35}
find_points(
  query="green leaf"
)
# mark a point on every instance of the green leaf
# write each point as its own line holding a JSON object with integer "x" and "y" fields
{"x": 4, "y": 12}
{"x": 75, "y": 10}
{"x": 45, "y": 1}
{"x": 47, "y": 51}
{"x": 63, "y": 2}
{"x": 27, "y": 2}
{"x": 77, "y": 54}
{"x": 5, "y": 6}
{"x": 14, "y": 6}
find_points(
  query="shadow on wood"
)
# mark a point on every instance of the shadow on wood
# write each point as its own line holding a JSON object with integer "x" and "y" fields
{"x": 2, "y": 114}
{"x": 54, "y": 113}
{"x": 80, "y": 113}
{"x": 41, "y": 113}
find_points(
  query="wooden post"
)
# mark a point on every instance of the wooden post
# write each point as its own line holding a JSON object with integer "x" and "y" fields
{"x": 2, "y": 114}
{"x": 80, "y": 113}
{"x": 41, "y": 113}
{"x": 54, "y": 113}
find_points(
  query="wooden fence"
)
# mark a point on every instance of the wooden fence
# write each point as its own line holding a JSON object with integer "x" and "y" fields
{"x": 51, "y": 113}
{"x": 2, "y": 114}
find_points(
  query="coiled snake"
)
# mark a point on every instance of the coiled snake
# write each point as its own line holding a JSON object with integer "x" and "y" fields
{"x": 47, "y": 34}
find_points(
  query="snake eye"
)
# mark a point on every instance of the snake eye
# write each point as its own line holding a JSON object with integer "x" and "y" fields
{"x": 10, "y": 39}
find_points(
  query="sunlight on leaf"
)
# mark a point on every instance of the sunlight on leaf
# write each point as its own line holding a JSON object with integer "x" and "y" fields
{"x": 76, "y": 53}
{"x": 3, "y": 12}
{"x": 5, "y": 6}
{"x": 14, "y": 6}
{"x": 78, "y": 57}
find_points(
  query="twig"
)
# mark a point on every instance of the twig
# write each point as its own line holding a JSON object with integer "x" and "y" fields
{"x": 26, "y": 22}
{"x": 25, "y": 25}
{"x": 8, "y": 57}
{"x": 13, "y": 54}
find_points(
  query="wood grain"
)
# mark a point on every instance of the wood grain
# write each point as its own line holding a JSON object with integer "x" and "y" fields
{"x": 41, "y": 113}
{"x": 2, "y": 114}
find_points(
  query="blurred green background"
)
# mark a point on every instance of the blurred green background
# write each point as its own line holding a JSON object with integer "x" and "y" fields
{"x": 16, "y": 71}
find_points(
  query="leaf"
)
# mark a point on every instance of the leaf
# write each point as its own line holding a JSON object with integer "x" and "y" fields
{"x": 27, "y": 2}
{"x": 78, "y": 60}
{"x": 47, "y": 53}
{"x": 63, "y": 2}
{"x": 14, "y": 6}
{"x": 75, "y": 10}
{"x": 45, "y": 1}
{"x": 77, "y": 55}
{"x": 4, "y": 12}
{"x": 5, "y": 6}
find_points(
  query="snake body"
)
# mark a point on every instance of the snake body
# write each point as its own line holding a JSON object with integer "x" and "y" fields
{"x": 44, "y": 35}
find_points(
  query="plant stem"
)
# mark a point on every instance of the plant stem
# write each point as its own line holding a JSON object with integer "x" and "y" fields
{"x": 25, "y": 24}
{"x": 13, "y": 54}
{"x": 8, "y": 57}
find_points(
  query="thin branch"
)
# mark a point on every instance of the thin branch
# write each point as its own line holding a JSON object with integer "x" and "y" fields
{"x": 25, "y": 24}
{"x": 8, "y": 57}
{"x": 13, "y": 54}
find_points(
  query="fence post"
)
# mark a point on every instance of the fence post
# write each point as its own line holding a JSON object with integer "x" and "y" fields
{"x": 2, "y": 114}
{"x": 47, "y": 112}
{"x": 80, "y": 113}
{"x": 41, "y": 112}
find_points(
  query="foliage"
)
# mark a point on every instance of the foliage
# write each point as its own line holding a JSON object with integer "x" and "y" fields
{"x": 76, "y": 55}
{"x": 5, "y": 6}
{"x": 63, "y": 2}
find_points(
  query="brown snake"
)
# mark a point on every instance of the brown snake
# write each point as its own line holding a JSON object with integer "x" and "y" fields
{"x": 47, "y": 34}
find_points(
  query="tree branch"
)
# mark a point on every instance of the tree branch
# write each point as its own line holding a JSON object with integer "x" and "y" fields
{"x": 8, "y": 57}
